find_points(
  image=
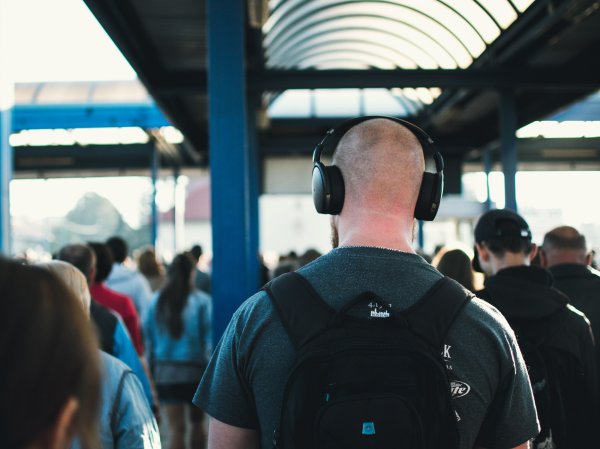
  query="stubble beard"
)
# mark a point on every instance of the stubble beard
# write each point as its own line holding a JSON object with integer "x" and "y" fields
{"x": 335, "y": 238}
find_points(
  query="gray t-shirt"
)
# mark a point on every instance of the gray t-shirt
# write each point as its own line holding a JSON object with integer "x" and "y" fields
{"x": 243, "y": 384}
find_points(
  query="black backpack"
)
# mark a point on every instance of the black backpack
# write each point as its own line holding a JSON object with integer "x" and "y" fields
{"x": 375, "y": 383}
{"x": 558, "y": 383}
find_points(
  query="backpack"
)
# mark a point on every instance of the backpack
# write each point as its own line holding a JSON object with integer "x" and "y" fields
{"x": 557, "y": 380}
{"x": 378, "y": 382}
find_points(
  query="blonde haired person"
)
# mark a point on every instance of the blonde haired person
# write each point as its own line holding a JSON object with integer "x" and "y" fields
{"x": 126, "y": 419}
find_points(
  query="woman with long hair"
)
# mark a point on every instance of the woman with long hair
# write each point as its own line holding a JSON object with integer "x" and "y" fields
{"x": 456, "y": 264}
{"x": 177, "y": 329}
{"x": 49, "y": 363}
{"x": 148, "y": 265}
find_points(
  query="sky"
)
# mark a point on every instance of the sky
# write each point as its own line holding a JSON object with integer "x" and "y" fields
{"x": 59, "y": 40}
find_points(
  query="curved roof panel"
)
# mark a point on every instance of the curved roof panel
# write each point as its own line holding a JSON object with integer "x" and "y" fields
{"x": 463, "y": 28}
{"x": 385, "y": 34}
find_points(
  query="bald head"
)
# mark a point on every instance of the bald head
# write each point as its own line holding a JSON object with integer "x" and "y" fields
{"x": 382, "y": 164}
{"x": 564, "y": 245}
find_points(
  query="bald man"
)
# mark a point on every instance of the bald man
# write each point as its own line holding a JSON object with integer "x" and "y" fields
{"x": 382, "y": 165}
{"x": 565, "y": 253}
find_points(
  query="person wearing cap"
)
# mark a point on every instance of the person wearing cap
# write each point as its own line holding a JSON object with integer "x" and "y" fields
{"x": 544, "y": 323}
{"x": 566, "y": 255}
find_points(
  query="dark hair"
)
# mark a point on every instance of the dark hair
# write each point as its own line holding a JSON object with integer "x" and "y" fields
{"x": 174, "y": 296}
{"x": 196, "y": 252}
{"x": 104, "y": 260}
{"x": 510, "y": 242}
{"x": 118, "y": 248}
{"x": 147, "y": 263}
{"x": 456, "y": 264}
{"x": 80, "y": 256}
{"x": 48, "y": 354}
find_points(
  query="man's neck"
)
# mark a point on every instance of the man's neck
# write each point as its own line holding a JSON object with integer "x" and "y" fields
{"x": 382, "y": 232}
{"x": 509, "y": 260}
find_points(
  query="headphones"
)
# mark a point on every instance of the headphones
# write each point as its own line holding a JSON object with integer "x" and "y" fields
{"x": 328, "y": 183}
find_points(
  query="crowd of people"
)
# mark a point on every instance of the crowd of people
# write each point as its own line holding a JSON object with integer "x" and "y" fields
{"x": 365, "y": 346}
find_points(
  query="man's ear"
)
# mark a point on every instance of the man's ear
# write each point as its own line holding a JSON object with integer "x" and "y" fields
{"x": 543, "y": 258}
{"x": 589, "y": 258}
{"x": 61, "y": 433}
{"x": 482, "y": 252}
{"x": 534, "y": 250}
{"x": 92, "y": 276}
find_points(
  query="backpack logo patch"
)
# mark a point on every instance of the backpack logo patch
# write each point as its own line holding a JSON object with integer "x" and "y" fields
{"x": 380, "y": 314}
{"x": 378, "y": 310}
{"x": 368, "y": 428}
{"x": 459, "y": 389}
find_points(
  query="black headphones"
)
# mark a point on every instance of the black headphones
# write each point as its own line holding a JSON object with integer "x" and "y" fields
{"x": 328, "y": 183}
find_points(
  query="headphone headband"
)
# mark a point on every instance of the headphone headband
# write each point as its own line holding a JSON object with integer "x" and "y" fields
{"x": 328, "y": 184}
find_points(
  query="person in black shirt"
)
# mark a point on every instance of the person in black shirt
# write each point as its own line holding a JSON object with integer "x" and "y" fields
{"x": 565, "y": 253}
{"x": 555, "y": 337}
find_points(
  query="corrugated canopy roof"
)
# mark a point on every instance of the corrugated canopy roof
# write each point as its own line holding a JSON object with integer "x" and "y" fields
{"x": 385, "y": 34}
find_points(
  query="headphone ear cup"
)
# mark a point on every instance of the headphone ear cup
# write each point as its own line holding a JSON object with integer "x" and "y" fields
{"x": 430, "y": 195}
{"x": 337, "y": 190}
{"x": 327, "y": 189}
{"x": 320, "y": 188}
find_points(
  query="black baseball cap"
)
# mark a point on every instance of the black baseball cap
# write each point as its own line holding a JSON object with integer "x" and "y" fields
{"x": 490, "y": 226}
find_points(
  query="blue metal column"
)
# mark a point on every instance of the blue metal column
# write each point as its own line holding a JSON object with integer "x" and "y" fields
{"x": 6, "y": 105}
{"x": 508, "y": 146}
{"x": 175, "y": 208}
{"x": 487, "y": 168}
{"x": 234, "y": 220}
{"x": 6, "y": 171}
{"x": 154, "y": 209}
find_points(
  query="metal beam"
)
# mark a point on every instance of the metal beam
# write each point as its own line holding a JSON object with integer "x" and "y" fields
{"x": 276, "y": 80}
{"x": 76, "y": 157}
{"x": 84, "y": 115}
{"x": 534, "y": 79}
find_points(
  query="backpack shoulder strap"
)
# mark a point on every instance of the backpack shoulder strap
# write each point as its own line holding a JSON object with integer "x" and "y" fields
{"x": 433, "y": 315}
{"x": 302, "y": 311}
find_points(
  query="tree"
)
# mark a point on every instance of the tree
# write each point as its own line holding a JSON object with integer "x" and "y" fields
{"x": 95, "y": 218}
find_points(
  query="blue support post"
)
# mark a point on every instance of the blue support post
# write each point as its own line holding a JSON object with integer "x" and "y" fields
{"x": 175, "y": 208}
{"x": 421, "y": 234}
{"x": 7, "y": 94}
{"x": 487, "y": 167}
{"x": 6, "y": 171}
{"x": 508, "y": 146}
{"x": 234, "y": 221}
{"x": 154, "y": 161}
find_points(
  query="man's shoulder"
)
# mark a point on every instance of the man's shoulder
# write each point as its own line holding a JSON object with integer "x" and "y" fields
{"x": 577, "y": 319}
{"x": 114, "y": 369}
{"x": 115, "y": 296}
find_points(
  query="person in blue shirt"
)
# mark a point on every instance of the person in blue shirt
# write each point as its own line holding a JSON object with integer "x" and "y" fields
{"x": 126, "y": 419}
{"x": 178, "y": 343}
